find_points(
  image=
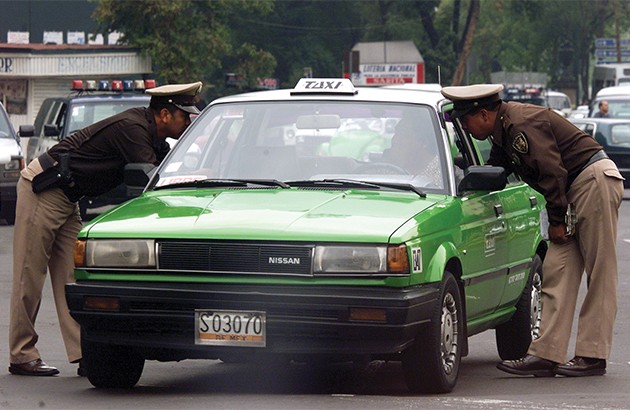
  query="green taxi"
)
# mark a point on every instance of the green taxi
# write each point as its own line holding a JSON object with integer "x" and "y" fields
{"x": 266, "y": 233}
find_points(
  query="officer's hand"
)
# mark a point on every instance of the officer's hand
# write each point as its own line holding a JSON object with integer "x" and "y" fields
{"x": 557, "y": 234}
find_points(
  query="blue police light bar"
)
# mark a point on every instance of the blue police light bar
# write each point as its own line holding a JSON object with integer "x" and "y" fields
{"x": 103, "y": 85}
{"x": 128, "y": 85}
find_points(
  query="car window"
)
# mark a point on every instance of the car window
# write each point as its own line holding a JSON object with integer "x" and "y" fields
{"x": 620, "y": 134}
{"x": 83, "y": 114}
{"x": 617, "y": 108}
{"x": 384, "y": 142}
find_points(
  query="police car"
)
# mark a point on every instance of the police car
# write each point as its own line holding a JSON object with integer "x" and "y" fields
{"x": 323, "y": 222}
{"x": 90, "y": 101}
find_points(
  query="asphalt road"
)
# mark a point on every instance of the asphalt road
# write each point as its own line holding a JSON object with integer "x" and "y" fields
{"x": 212, "y": 384}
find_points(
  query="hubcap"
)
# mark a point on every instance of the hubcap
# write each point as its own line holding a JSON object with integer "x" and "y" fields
{"x": 449, "y": 333}
{"x": 536, "y": 305}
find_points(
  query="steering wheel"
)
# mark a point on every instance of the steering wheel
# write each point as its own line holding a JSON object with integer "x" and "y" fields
{"x": 381, "y": 168}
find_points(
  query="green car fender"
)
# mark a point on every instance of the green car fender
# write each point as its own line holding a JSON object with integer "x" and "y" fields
{"x": 436, "y": 262}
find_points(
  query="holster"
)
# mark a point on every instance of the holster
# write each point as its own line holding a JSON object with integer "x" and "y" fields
{"x": 49, "y": 178}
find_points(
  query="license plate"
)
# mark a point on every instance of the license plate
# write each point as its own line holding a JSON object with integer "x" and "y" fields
{"x": 230, "y": 328}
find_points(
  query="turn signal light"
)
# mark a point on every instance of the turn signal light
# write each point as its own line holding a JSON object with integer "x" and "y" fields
{"x": 79, "y": 253}
{"x": 368, "y": 315}
{"x": 397, "y": 259}
{"x": 101, "y": 303}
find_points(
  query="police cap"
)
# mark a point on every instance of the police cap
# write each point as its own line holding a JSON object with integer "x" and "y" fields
{"x": 183, "y": 96}
{"x": 471, "y": 97}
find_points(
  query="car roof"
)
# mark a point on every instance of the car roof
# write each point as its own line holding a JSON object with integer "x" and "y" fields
{"x": 619, "y": 90}
{"x": 366, "y": 94}
{"x": 600, "y": 120}
{"x": 555, "y": 93}
{"x": 102, "y": 97}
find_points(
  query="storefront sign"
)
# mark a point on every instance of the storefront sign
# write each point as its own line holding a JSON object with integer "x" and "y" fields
{"x": 382, "y": 74}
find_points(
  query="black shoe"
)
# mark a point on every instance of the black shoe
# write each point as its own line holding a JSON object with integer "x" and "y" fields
{"x": 81, "y": 370}
{"x": 528, "y": 366}
{"x": 582, "y": 366}
{"x": 35, "y": 367}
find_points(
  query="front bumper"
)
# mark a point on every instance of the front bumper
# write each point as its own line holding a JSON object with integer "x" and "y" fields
{"x": 159, "y": 317}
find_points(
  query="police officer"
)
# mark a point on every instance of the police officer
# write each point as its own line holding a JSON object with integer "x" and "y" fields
{"x": 571, "y": 170}
{"x": 89, "y": 162}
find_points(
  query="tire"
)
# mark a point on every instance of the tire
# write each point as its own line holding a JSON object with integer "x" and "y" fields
{"x": 8, "y": 213}
{"x": 111, "y": 366}
{"x": 431, "y": 364}
{"x": 514, "y": 337}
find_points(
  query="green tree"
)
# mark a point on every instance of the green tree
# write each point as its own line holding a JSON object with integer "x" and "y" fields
{"x": 187, "y": 40}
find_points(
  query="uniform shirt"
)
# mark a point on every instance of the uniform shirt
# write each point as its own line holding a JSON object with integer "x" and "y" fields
{"x": 99, "y": 152}
{"x": 543, "y": 148}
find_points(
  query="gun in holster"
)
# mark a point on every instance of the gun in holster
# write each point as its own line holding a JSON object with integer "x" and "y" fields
{"x": 570, "y": 220}
{"x": 64, "y": 171}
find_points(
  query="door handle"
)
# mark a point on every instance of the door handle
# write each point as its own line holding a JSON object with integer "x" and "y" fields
{"x": 498, "y": 210}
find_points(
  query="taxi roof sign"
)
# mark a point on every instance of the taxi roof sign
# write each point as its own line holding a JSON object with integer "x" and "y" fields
{"x": 336, "y": 86}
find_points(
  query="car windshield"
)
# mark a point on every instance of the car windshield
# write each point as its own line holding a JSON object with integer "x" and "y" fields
{"x": 84, "y": 114}
{"x": 617, "y": 108}
{"x": 303, "y": 141}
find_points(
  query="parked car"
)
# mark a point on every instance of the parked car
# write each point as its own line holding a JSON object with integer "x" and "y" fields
{"x": 10, "y": 167}
{"x": 247, "y": 243}
{"x": 558, "y": 101}
{"x": 614, "y": 135}
{"x": 61, "y": 116}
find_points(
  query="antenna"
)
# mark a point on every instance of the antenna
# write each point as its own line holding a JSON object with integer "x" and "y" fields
{"x": 439, "y": 75}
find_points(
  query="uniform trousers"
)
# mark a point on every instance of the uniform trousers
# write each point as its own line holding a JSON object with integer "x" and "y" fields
{"x": 46, "y": 227}
{"x": 597, "y": 193}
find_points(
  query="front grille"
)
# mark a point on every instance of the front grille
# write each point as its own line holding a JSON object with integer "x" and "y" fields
{"x": 235, "y": 257}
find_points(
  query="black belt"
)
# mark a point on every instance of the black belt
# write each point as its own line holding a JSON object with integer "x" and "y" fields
{"x": 599, "y": 155}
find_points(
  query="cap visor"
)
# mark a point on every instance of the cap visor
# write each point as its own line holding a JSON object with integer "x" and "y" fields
{"x": 191, "y": 109}
{"x": 455, "y": 114}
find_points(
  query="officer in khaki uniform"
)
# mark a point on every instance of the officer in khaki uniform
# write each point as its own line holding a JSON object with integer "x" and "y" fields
{"x": 572, "y": 171}
{"x": 89, "y": 162}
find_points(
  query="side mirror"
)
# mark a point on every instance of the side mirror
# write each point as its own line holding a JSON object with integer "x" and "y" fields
{"x": 26, "y": 131}
{"x": 483, "y": 178}
{"x": 137, "y": 176}
{"x": 51, "y": 130}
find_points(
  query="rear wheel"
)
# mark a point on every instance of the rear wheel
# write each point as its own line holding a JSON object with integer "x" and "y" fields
{"x": 111, "y": 366}
{"x": 8, "y": 212}
{"x": 515, "y": 336}
{"x": 431, "y": 364}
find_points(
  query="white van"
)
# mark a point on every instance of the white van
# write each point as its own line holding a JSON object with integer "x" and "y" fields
{"x": 610, "y": 75}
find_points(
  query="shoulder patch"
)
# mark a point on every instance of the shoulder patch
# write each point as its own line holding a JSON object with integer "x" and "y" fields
{"x": 520, "y": 144}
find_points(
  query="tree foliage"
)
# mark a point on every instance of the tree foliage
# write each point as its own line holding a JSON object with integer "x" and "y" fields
{"x": 461, "y": 41}
{"x": 186, "y": 39}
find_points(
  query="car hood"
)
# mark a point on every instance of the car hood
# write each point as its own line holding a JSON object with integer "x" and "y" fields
{"x": 262, "y": 214}
{"x": 10, "y": 145}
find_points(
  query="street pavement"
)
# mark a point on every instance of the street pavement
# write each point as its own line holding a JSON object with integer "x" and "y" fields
{"x": 213, "y": 384}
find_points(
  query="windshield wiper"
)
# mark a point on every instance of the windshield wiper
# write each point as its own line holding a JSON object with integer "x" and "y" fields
{"x": 205, "y": 183}
{"x": 353, "y": 183}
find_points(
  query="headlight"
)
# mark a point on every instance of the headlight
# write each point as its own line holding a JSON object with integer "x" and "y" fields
{"x": 13, "y": 167}
{"x": 378, "y": 259}
{"x": 120, "y": 253}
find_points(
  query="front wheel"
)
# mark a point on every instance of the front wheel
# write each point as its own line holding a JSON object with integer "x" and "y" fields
{"x": 431, "y": 364}
{"x": 515, "y": 336}
{"x": 111, "y": 366}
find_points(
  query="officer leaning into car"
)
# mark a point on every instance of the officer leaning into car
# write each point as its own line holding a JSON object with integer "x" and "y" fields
{"x": 88, "y": 162}
{"x": 572, "y": 171}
